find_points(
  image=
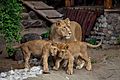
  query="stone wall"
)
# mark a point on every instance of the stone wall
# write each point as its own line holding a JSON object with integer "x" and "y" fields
{"x": 107, "y": 28}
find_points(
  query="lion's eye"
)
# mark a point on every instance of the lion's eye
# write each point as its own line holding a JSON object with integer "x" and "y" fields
{"x": 64, "y": 27}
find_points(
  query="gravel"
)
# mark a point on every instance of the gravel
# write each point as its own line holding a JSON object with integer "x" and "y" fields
{"x": 20, "y": 74}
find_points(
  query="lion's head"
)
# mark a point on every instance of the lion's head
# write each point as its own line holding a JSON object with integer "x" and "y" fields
{"x": 59, "y": 49}
{"x": 62, "y": 50}
{"x": 63, "y": 29}
{"x": 54, "y": 49}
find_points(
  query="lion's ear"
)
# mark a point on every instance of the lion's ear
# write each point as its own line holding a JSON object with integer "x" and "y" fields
{"x": 54, "y": 43}
{"x": 58, "y": 23}
{"x": 66, "y": 46}
{"x": 67, "y": 21}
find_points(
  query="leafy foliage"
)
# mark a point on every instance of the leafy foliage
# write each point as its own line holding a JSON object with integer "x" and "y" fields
{"x": 10, "y": 22}
{"x": 118, "y": 39}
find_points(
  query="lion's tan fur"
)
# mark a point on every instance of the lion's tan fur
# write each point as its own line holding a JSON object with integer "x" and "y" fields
{"x": 40, "y": 48}
{"x": 64, "y": 54}
{"x": 73, "y": 27}
{"x": 78, "y": 50}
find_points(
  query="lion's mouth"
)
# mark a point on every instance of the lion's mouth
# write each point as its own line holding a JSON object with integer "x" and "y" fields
{"x": 67, "y": 37}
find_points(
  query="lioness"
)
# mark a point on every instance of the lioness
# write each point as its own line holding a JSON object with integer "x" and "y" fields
{"x": 78, "y": 50}
{"x": 40, "y": 48}
{"x": 65, "y": 31}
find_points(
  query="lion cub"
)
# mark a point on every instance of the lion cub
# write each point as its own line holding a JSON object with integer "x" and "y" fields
{"x": 63, "y": 54}
{"x": 40, "y": 48}
{"x": 78, "y": 50}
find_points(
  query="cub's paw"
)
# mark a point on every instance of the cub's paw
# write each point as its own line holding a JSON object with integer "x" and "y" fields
{"x": 89, "y": 65}
{"x": 27, "y": 66}
{"x": 54, "y": 68}
{"x": 89, "y": 68}
{"x": 70, "y": 72}
{"x": 46, "y": 72}
{"x": 78, "y": 67}
{"x": 81, "y": 65}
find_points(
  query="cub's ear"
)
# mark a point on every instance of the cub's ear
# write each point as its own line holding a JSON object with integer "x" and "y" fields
{"x": 67, "y": 21}
{"x": 54, "y": 43}
{"x": 66, "y": 46}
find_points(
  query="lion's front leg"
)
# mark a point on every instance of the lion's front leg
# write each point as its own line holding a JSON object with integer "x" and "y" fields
{"x": 70, "y": 66}
{"x": 57, "y": 64}
{"x": 45, "y": 64}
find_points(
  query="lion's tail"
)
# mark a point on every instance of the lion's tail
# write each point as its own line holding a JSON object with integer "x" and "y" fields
{"x": 94, "y": 46}
{"x": 17, "y": 46}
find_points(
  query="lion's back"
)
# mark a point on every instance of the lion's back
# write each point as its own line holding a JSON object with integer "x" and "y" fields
{"x": 76, "y": 30}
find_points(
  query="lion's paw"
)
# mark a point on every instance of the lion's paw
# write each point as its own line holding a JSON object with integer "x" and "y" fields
{"x": 54, "y": 68}
{"x": 70, "y": 72}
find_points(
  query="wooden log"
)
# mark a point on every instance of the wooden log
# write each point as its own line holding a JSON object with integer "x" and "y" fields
{"x": 31, "y": 23}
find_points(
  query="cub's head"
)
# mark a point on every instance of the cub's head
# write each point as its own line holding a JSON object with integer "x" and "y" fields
{"x": 63, "y": 29}
{"x": 54, "y": 49}
{"x": 63, "y": 51}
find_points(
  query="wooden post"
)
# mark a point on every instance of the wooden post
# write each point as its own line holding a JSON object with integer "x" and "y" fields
{"x": 108, "y": 4}
{"x": 69, "y": 3}
{"x": 72, "y": 2}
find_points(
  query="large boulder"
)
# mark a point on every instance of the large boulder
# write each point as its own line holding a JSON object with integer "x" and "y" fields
{"x": 33, "y": 15}
{"x": 30, "y": 36}
{"x": 32, "y": 23}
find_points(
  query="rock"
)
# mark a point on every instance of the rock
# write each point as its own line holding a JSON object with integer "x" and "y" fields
{"x": 3, "y": 79}
{"x": 103, "y": 20}
{"x": 21, "y": 74}
{"x": 30, "y": 36}
{"x": 32, "y": 23}
{"x": 3, "y": 75}
{"x": 35, "y": 69}
{"x": 18, "y": 56}
{"x": 109, "y": 25}
{"x": 33, "y": 15}
{"x": 25, "y": 10}
{"x": 119, "y": 18}
{"x": 25, "y": 16}
{"x": 104, "y": 24}
{"x": 11, "y": 72}
{"x": 35, "y": 62}
{"x": 2, "y": 45}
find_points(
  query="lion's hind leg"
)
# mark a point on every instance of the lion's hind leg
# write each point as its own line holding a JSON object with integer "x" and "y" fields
{"x": 26, "y": 54}
{"x": 85, "y": 57}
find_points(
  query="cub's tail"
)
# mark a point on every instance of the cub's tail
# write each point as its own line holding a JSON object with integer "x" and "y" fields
{"x": 94, "y": 46}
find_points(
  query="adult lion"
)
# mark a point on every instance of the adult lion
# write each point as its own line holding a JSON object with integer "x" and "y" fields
{"x": 65, "y": 31}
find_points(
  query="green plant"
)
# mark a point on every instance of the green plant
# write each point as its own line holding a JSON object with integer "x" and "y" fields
{"x": 93, "y": 61}
{"x": 10, "y": 22}
{"x": 118, "y": 39}
{"x": 92, "y": 41}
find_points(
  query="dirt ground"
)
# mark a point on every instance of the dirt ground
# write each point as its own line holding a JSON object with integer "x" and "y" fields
{"x": 106, "y": 66}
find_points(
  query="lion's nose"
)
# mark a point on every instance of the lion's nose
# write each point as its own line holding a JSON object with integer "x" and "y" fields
{"x": 69, "y": 33}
